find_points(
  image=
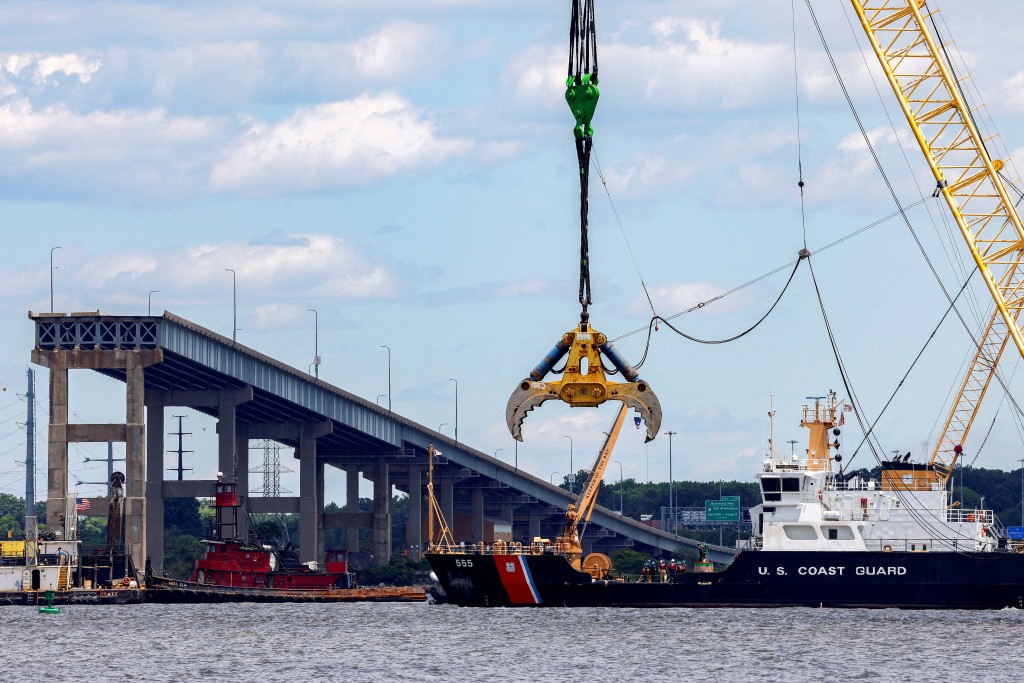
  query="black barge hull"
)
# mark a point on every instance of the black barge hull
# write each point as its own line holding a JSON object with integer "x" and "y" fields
{"x": 925, "y": 580}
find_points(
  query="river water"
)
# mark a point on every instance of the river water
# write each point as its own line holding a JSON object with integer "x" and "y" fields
{"x": 419, "y": 642}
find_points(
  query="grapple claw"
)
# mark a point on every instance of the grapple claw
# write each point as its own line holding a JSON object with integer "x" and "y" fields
{"x": 638, "y": 396}
{"x": 527, "y": 396}
{"x": 583, "y": 382}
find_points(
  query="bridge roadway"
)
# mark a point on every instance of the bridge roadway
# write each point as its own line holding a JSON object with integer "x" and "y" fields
{"x": 167, "y": 361}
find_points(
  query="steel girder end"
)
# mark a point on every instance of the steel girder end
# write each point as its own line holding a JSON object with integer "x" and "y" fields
{"x": 527, "y": 396}
{"x": 639, "y": 396}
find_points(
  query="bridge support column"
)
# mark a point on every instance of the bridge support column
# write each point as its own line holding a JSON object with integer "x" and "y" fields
{"x": 477, "y": 514}
{"x": 57, "y": 450}
{"x": 309, "y": 506}
{"x": 135, "y": 459}
{"x": 227, "y": 463}
{"x": 414, "y": 529}
{"x": 132, "y": 433}
{"x": 534, "y": 526}
{"x": 352, "y": 506}
{"x": 155, "y": 481}
{"x": 321, "y": 556}
{"x": 447, "y": 503}
{"x": 381, "y": 514}
{"x": 242, "y": 475}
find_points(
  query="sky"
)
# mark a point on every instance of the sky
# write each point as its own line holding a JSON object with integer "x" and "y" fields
{"x": 407, "y": 170}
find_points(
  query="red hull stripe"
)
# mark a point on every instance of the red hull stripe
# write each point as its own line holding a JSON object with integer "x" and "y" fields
{"x": 516, "y": 578}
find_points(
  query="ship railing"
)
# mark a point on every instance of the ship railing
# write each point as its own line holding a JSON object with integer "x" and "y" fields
{"x": 499, "y": 548}
{"x": 960, "y": 515}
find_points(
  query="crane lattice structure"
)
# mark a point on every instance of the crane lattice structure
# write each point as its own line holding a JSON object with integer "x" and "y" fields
{"x": 967, "y": 177}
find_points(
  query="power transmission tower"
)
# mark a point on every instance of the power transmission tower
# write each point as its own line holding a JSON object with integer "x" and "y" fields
{"x": 271, "y": 469}
{"x": 180, "y": 469}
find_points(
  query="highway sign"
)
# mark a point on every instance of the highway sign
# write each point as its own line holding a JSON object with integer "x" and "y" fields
{"x": 725, "y": 510}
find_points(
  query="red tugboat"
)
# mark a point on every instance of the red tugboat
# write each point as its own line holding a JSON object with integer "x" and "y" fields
{"x": 240, "y": 571}
{"x": 237, "y": 564}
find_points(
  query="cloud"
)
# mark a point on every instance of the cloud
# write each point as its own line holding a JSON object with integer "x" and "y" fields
{"x": 491, "y": 291}
{"x": 645, "y": 174}
{"x": 336, "y": 145}
{"x": 698, "y": 68}
{"x": 55, "y": 151}
{"x": 301, "y": 266}
{"x": 675, "y": 298}
{"x": 41, "y": 67}
{"x": 398, "y": 50}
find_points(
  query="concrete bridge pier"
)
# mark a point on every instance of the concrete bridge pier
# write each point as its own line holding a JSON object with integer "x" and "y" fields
{"x": 414, "y": 529}
{"x": 132, "y": 433}
{"x": 477, "y": 514}
{"x": 155, "y": 480}
{"x": 352, "y": 508}
{"x": 381, "y": 513}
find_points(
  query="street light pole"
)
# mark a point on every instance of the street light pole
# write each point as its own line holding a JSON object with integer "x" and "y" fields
{"x": 551, "y": 479}
{"x": 385, "y": 346}
{"x": 439, "y": 427}
{"x": 379, "y": 396}
{"x": 316, "y": 342}
{"x": 53, "y": 249}
{"x": 149, "y": 305}
{"x": 496, "y": 452}
{"x": 572, "y": 472}
{"x": 621, "y": 504}
{"x": 671, "y": 503}
{"x": 456, "y": 408}
{"x": 234, "y": 305}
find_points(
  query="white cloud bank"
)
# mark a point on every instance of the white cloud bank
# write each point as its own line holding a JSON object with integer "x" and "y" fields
{"x": 341, "y": 144}
{"x": 300, "y": 267}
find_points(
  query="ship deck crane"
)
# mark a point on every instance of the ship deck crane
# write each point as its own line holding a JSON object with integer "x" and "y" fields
{"x": 968, "y": 179}
{"x": 579, "y": 512}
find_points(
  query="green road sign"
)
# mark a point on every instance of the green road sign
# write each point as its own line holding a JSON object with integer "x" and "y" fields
{"x": 725, "y": 510}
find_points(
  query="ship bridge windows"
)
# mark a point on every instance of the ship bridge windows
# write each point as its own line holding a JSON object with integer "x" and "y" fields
{"x": 838, "y": 533}
{"x": 800, "y": 532}
{"x": 774, "y": 487}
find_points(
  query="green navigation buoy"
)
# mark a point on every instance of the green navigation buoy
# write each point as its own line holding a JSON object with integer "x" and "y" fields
{"x": 49, "y": 607}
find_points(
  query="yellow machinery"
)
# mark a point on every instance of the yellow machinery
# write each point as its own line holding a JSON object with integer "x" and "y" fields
{"x": 583, "y": 383}
{"x": 569, "y": 542}
{"x": 968, "y": 179}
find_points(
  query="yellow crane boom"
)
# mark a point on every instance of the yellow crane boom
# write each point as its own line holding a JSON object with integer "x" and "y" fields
{"x": 580, "y": 511}
{"x": 967, "y": 178}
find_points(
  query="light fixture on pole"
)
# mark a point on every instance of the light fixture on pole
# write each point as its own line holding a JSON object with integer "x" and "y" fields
{"x": 621, "y": 504}
{"x": 149, "y": 304}
{"x": 572, "y": 472}
{"x": 551, "y": 479}
{"x": 496, "y": 451}
{"x": 671, "y": 502}
{"x": 385, "y": 346}
{"x": 456, "y": 408}
{"x": 316, "y": 342}
{"x": 53, "y": 249}
{"x": 439, "y": 427}
{"x": 234, "y": 305}
{"x": 379, "y": 397}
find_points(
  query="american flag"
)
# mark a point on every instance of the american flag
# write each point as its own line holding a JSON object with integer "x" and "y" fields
{"x": 81, "y": 504}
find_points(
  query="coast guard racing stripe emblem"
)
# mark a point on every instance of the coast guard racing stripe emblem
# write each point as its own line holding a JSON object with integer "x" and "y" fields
{"x": 516, "y": 578}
